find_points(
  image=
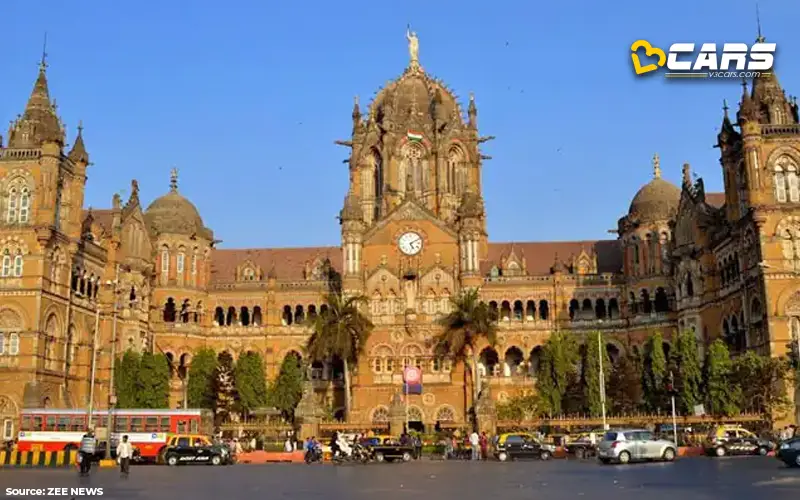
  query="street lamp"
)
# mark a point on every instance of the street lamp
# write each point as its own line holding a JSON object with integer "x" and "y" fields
{"x": 112, "y": 391}
{"x": 602, "y": 375}
{"x": 94, "y": 365}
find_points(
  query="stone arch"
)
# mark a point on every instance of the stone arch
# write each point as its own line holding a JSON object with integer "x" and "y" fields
{"x": 446, "y": 413}
{"x": 12, "y": 317}
{"x": 382, "y": 349}
{"x": 379, "y": 415}
{"x": 788, "y": 303}
{"x": 415, "y": 414}
{"x": 513, "y": 360}
{"x": 781, "y": 152}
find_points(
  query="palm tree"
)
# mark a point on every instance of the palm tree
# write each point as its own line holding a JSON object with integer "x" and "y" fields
{"x": 469, "y": 321}
{"x": 341, "y": 332}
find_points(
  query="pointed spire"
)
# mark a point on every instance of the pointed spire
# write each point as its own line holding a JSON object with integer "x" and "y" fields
{"x": 472, "y": 111}
{"x": 656, "y": 166}
{"x": 725, "y": 108}
{"x": 173, "y": 181}
{"x": 760, "y": 38}
{"x": 356, "y": 115}
{"x": 78, "y": 153}
{"x": 687, "y": 174}
{"x": 39, "y": 122}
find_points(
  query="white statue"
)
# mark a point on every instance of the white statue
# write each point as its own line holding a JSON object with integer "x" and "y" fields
{"x": 413, "y": 45}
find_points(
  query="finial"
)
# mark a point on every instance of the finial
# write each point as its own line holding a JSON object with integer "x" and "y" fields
{"x": 471, "y": 97}
{"x": 355, "y": 101}
{"x": 173, "y": 180}
{"x": 725, "y": 107}
{"x": 687, "y": 174}
{"x": 43, "y": 62}
{"x": 656, "y": 166}
{"x": 80, "y": 127}
{"x": 758, "y": 24}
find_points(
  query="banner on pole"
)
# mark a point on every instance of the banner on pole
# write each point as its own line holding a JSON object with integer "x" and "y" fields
{"x": 412, "y": 380}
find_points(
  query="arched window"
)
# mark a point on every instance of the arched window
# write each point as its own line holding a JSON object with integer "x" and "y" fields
{"x": 181, "y": 262}
{"x": 165, "y": 260}
{"x": 788, "y": 244}
{"x": 6, "y": 269}
{"x": 785, "y": 179}
{"x": 24, "y": 205}
{"x": 18, "y": 264}
{"x": 194, "y": 262}
{"x": 11, "y": 214}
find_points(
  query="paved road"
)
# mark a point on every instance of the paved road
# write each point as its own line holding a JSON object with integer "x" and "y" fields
{"x": 687, "y": 479}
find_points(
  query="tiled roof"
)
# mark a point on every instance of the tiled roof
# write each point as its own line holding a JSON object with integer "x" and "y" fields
{"x": 290, "y": 263}
{"x": 540, "y": 255}
{"x": 715, "y": 199}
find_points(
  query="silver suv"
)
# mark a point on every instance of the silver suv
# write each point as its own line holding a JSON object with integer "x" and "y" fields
{"x": 627, "y": 445}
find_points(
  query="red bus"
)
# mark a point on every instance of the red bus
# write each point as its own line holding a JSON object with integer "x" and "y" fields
{"x": 62, "y": 429}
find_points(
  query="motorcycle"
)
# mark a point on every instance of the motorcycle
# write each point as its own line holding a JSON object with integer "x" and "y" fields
{"x": 313, "y": 455}
{"x": 351, "y": 453}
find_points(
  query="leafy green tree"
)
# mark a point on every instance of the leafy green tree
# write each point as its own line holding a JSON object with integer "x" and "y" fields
{"x": 469, "y": 323}
{"x": 625, "y": 385}
{"x": 224, "y": 386}
{"x": 200, "y": 387}
{"x": 557, "y": 370}
{"x": 595, "y": 348}
{"x": 763, "y": 381}
{"x": 287, "y": 389}
{"x": 251, "y": 383}
{"x": 341, "y": 332}
{"x": 518, "y": 408}
{"x": 125, "y": 377}
{"x": 152, "y": 383}
{"x": 721, "y": 395}
{"x": 655, "y": 372}
{"x": 688, "y": 372}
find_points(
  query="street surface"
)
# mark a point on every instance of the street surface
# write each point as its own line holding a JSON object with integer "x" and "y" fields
{"x": 687, "y": 479}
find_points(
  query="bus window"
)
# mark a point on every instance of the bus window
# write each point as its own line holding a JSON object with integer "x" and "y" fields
{"x": 181, "y": 426}
{"x": 151, "y": 424}
{"x": 63, "y": 423}
{"x": 77, "y": 424}
{"x": 50, "y": 424}
{"x": 194, "y": 426}
{"x": 137, "y": 424}
{"x": 121, "y": 424}
{"x": 165, "y": 424}
{"x": 102, "y": 421}
{"x": 37, "y": 423}
{"x": 27, "y": 423}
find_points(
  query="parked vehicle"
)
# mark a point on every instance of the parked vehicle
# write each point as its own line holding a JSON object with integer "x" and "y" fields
{"x": 789, "y": 452}
{"x": 514, "y": 446}
{"x": 388, "y": 449}
{"x": 629, "y": 445}
{"x": 736, "y": 440}
{"x": 185, "y": 451}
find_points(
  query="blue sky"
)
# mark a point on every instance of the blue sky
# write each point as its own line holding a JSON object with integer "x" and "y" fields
{"x": 246, "y": 97}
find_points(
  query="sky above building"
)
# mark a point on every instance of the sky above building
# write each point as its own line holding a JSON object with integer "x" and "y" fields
{"x": 246, "y": 97}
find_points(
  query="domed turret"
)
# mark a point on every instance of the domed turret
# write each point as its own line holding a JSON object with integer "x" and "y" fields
{"x": 174, "y": 214}
{"x": 656, "y": 200}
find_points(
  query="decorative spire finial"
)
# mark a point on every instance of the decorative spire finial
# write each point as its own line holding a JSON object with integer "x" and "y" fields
{"x": 656, "y": 166}
{"x": 43, "y": 62}
{"x": 687, "y": 174}
{"x": 80, "y": 127}
{"x": 758, "y": 23}
{"x": 725, "y": 107}
{"x": 173, "y": 180}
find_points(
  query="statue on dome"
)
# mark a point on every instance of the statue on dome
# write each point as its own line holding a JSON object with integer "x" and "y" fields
{"x": 413, "y": 46}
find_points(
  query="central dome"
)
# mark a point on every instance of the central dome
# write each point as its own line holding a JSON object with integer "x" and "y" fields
{"x": 657, "y": 200}
{"x": 415, "y": 92}
{"x": 174, "y": 214}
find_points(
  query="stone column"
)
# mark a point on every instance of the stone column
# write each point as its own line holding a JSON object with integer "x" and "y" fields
{"x": 486, "y": 412}
{"x": 308, "y": 413}
{"x": 397, "y": 415}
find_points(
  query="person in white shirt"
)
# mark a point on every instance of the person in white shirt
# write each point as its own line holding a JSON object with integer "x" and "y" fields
{"x": 474, "y": 444}
{"x": 287, "y": 446}
{"x": 124, "y": 455}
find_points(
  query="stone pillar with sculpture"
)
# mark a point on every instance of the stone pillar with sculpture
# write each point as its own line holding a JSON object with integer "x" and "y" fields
{"x": 486, "y": 412}
{"x": 397, "y": 415}
{"x": 308, "y": 413}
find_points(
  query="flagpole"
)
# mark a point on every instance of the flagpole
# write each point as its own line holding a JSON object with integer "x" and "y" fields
{"x": 405, "y": 386}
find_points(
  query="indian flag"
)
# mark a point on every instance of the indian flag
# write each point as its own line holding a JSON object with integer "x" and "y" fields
{"x": 414, "y": 136}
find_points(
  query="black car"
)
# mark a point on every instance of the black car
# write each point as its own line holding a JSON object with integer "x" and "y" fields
{"x": 740, "y": 446}
{"x": 184, "y": 454}
{"x": 520, "y": 446}
{"x": 789, "y": 452}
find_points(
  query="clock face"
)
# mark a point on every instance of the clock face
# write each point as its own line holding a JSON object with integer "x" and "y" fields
{"x": 410, "y": 243}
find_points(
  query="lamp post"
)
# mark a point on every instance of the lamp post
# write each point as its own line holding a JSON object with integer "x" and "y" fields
{"x": 112, "y": 391}
{"x": 94, "y": 366}
{"x": 602, "y": 378}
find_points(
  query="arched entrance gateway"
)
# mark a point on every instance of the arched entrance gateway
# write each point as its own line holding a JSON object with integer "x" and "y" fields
{"x": 416, "y": 419}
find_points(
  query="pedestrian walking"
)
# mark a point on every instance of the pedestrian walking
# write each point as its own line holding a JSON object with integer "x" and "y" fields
{"x": 474, "y": 444}
{"x": 124, "y": 455}
{"x": 483, "y": 442}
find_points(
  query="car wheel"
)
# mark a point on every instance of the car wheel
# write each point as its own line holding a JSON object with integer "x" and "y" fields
{"x": 544, "y": 455}
{"x": 580, "y": 453}
{"x": 720, "y": 451}
{"x": 406, "y": 456}
{"x": 216, "y": 460}
{"x": 669, "y": 455}
{"x": 379, "y": 457}
{"x": 797, "y": 461}
{"x": 624, "y": 457}
{"x": 502, "y": 456}
{"x": 763, "y": 451}
{"x": 172, "y": 460}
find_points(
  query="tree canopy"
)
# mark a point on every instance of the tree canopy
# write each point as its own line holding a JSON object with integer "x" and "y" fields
{"x": 200, "y": 387}
{"x": 595, "y": 352}
{"x": 287, "y": 389}
{"x": 688, "y": 373}
{"x": 250, "y": 382}
{"x": 142, "y": 380}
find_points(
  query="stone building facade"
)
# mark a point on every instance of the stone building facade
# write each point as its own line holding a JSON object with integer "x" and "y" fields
{"x": 78, "y": 285}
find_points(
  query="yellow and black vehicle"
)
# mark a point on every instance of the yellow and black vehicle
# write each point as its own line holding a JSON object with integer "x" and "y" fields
{"x": 182, "y": 449}
{"x": 521, "y": 445}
